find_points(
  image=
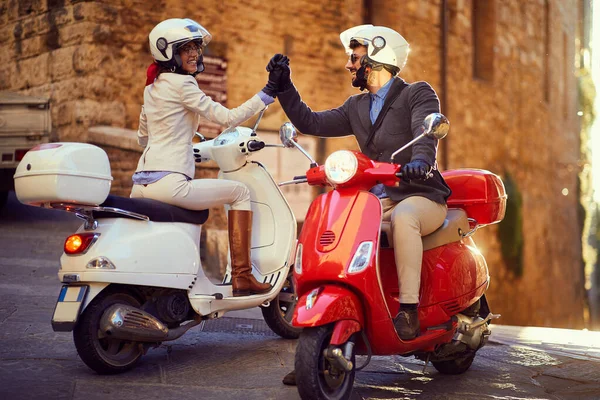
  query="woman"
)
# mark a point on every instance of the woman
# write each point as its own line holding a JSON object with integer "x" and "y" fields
{"x": 173, "y": 103}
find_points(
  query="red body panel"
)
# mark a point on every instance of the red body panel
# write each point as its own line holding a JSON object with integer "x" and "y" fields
{"x": 333, "y": 303}
{"x": 453, "y": 276}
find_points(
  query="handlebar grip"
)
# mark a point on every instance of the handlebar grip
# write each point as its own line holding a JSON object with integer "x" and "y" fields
{"x": 254, "y": 145}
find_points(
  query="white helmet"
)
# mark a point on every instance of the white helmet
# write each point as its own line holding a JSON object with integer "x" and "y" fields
{"x": 384, "y": 45}
{"x": 169, "y": 35}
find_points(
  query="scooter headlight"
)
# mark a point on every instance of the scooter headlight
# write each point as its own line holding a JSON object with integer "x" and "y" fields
{"x": 361, "y": 258}
{"x": 298, "y": 261}
{"x": 341, "y": 166}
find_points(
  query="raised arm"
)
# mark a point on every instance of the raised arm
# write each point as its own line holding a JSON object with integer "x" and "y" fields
{"x": 330, "y": 123}
{"x": 197, "y": 101}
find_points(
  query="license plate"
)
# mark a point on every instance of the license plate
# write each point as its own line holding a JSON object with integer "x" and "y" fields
{"x": 68, "y": 306}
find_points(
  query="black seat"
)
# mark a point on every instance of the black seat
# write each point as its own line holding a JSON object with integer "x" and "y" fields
{"x": 153, "y": 209}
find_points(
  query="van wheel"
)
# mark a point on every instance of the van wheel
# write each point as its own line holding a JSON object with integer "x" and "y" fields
{"x": 278, "y": 315}
{"x": 103, "y": 354}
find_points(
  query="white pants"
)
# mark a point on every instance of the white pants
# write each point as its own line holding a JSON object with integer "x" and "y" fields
{"x": 411, "y": 219}
{"x": 197, "y": 194}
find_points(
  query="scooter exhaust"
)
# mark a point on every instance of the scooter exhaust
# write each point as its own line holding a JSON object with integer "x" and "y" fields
{"x": 125, "y": 322}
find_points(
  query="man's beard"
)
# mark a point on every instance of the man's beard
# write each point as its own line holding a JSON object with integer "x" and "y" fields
{"x": 360, "y": 80}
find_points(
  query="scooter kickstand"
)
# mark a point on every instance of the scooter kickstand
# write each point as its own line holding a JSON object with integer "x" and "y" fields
{"x": 426, "y": 363}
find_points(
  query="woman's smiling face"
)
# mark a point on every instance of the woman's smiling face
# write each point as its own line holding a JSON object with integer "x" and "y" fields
{"x": 189, "y": 54}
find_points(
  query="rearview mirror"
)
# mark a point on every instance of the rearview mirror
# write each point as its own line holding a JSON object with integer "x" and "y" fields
{"x": 436, "y": 126}
{"x": 288, "y": 135}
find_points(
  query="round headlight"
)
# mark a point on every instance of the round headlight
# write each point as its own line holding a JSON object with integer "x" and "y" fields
{"x": 341, "y": 166}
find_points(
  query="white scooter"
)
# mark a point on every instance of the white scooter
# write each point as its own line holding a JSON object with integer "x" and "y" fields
{"x": 132, "y": 273}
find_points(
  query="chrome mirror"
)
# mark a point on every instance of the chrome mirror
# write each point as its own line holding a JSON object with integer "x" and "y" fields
{"x": 288, "y": 135}
{"x": 436, "y": 125}
{"x": 289, "y": 138}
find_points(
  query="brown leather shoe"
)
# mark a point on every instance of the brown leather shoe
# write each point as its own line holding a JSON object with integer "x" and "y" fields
{"x": 290, "y": 378}
{"x": 240, "y": 234}
{"x": 407, "y": 324}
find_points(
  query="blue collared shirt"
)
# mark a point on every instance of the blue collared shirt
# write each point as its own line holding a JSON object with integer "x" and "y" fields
{"x": 377, "y": 100}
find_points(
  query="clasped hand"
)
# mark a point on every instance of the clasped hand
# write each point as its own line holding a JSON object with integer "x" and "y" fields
{"x": 279, "y": 75}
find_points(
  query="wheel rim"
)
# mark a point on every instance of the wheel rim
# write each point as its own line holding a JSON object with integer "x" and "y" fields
{"x": 331, "y": 380}
{"x": 287, "y": 299}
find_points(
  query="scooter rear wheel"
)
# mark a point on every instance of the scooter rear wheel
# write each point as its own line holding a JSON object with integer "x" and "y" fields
{"x": 105, "y": 355}
{"x": 456, "y": 366}
{"x": 316, "y": 378}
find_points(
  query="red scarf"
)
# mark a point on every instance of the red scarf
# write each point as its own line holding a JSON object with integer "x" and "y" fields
{"x": 151, "y": 73}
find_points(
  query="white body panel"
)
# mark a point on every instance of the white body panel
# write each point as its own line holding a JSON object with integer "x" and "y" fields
{"x": 144, "y": 253}
{"x": 63, "y": 172}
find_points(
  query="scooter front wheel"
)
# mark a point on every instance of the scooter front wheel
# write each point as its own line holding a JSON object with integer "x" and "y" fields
{"x": 103, "y": 354}
{"x": 316, "y": 377}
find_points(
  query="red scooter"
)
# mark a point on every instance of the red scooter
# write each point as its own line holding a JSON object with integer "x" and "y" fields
{"x": 346, "y": 276}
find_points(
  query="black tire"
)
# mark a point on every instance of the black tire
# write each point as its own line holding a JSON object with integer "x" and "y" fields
{"x": 103, "y": 355}
{"x": 456, "y": 366}
{"x": 278, "y": 315}
{"x": 315, "y": 377}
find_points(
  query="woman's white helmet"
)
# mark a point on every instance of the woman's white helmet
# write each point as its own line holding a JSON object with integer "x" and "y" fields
{"x": 166, "y": 38}
{"x": 384, "y": 45}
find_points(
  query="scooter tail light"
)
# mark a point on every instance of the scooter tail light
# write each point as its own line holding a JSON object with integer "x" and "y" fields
{"x": 361, "y": 258}
{"x": 298, "y": 260}
{"x": 79, "y": 243}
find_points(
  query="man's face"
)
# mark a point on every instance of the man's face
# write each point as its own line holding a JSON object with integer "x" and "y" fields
{"x": 353, "y": 63}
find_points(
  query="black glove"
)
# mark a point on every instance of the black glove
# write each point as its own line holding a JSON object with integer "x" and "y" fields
{"x": 276, "y": 59}
{"x": 416, "y": 169}
{"x": 272, "y": 86}
{"x": 275, "y": 73}
{"x": 280, "y": 72}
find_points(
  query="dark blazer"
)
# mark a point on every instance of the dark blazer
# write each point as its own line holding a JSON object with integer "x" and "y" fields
{"x": 409, "y": 105}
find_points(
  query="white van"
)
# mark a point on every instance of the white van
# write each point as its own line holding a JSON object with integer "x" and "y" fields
{"x": 24, "y": 123}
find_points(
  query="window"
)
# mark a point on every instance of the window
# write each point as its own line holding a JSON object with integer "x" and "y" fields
{"x": 484, "y": 32}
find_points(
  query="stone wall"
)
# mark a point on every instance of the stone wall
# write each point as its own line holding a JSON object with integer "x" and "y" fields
{"x": 91, "y": 57}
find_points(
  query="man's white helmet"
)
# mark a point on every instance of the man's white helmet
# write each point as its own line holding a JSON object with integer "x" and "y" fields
{"x": 166, "y": 38}
{"x": 384, "y": 45}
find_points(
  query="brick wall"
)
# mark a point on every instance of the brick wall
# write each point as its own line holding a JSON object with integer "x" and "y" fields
{"x": 90, "y": 58}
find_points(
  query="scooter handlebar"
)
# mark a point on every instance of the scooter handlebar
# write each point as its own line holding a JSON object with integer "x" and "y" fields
{"x": 255, "y": 145}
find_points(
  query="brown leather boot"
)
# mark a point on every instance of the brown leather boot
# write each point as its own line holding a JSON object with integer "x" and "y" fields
{"x": 240, "y": 235}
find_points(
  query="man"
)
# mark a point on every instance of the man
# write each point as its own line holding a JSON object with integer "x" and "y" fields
{"x": 387, "y": 117}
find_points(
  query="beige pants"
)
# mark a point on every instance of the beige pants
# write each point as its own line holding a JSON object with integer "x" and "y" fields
{"x": 411, "y": 219}
{"x": 197, "y": 194}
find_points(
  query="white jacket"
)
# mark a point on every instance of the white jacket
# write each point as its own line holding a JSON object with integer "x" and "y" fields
{"x": 170, "y": 117}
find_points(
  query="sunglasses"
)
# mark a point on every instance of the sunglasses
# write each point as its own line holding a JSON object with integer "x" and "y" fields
{"x": 191, "y": 50}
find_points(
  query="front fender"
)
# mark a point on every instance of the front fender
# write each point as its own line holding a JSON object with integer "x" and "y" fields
{"x": 330, "y": 304}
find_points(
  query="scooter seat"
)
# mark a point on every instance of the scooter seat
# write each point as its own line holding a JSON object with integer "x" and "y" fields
{"x": 455, "y": 224}
{"x": 155, "y": 210}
